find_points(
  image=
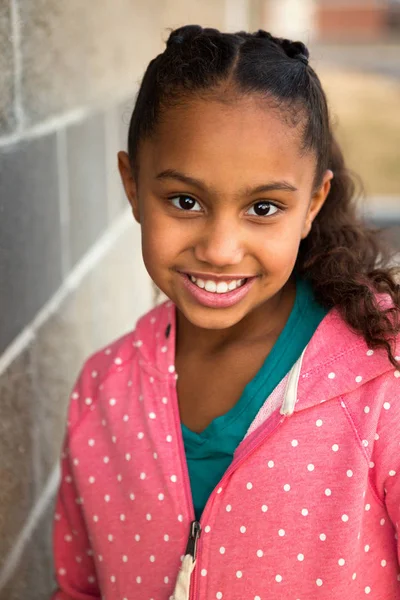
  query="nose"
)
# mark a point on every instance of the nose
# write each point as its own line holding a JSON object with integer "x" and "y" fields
{"x": 220, "y": 244}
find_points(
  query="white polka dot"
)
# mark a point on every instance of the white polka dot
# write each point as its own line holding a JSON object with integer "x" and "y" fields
{"x": 300, "y": 557}
{"x": 207, "y": 529}
{"x": 166, "y": 537}
{"x": 304, "y": 512}
{"x": 318, "y": 422}
{"x": 295, "y": 443}
{"x": 169, "y": 438}
{"x": 138, "y": 579}
{"x": 68, "y": 538}
{"x": 112, "y": 401}
{"x": 392, "y": 473}
{"x": 166, "y": 579}
{"x": 140, "y": 435}
{"x": 127, "y": 456}
{"x": 397, "y": 374}
{"x": 281, "y": 532}
{"x": 367, "y": 590}
{"x": 319, "y": 582}
{"x": 366, "y": 409}
{"x": 383, "y": 563}
{"x": 359, "y": 379}
{"x": 107, "y": 498}
{"x": 62, "y": 571}
{"x": 222, "y": 550}
{"x": 345, "y": 518}
{"x": 155, "y": 455}
{"x": 332, "y": 375}
{"x": 142, "y": 476}
{"x": 371, "y": 464}
{"x": 171, "y": 368}
{"x": 341, "y": 562}
{"x": 125, "y": 418}
{"x": 112, "y": 578}
{"x": 249, "y": 486}
{"x": 164, "y": 400}
{"x": 322, "y": 537}
{"x": 180, "y": 518}
{"x": 122, "y": 517}
{"x": 91, "y": 442}
{"x": 239, "y": 574}
{"x": 132, "y": 496}
{"x": 88, "y": 401}
{"x": 354, "y": 576}
{"x": 366, "y": 548}
{"x": 335, "y": 447}
{"x": 91, "y": 579}
{"x": 386, "y": 405}
{"x": 152, "y": 415}
{"x": 228, "y": 508}
{"x": 349, "y": 473}
{"x": 286, "y": 487}
{"x": 271, "y": 464}
{"x": 152, "y": 558}
{"x": 367, "y": 507}
{"x": 310, "y": 467}
{"x": 218, "y": 595}
{"x": 328, "y": 492}
{"x": 370, "y": 352}
{"x": 219, "y": 490}
{"x": 110, "y": 537}
{"x": 95, "y": 518}
{"x": 161, "y": 496}
{"x": 365, "y": 443}
{"x": 243, "y": 529}
{"x": 264, "y": 508}
{"x": 106, "y": 460}
{"x": 382, "y": 521}
{"x": 260, "y": 553}
{"x": 278, "y": 578}
{"x": 174, "y": 478}
{"x": 148, "y": 517}
{"x": 257, "y": 598}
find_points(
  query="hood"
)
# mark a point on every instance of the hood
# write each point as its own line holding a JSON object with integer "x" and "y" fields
{"x": 335, "y": 362}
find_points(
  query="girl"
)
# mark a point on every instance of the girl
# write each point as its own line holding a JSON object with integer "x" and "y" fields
{"x": 243, "y": 441}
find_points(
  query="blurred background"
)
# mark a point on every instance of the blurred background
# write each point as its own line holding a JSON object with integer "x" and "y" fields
{"x": 71, "y": 277}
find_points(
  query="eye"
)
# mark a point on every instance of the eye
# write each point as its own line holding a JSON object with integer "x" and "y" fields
{"x": 185, "y": 203}
{"x": 263, "y": 209}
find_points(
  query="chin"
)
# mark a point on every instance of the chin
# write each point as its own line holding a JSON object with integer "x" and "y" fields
{"x": 213, "y": 318}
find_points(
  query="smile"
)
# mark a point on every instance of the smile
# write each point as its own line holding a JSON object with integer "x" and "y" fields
{"x": 217, "y": 287}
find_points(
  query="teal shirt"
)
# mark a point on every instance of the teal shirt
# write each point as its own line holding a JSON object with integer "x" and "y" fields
{"x": 210, "y": 452}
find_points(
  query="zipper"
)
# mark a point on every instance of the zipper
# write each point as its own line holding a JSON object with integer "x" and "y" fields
{"x": 194, "y": 536}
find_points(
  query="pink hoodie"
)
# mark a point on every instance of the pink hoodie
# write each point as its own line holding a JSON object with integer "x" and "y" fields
{"x": 308, "y": 509}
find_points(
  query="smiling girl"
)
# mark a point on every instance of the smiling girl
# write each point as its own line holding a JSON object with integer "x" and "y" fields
{"x": 243, "y": 441}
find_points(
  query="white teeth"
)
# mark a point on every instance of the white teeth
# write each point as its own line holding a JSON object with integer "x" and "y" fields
{"x": 211, "y": 286}
{"x": 220, "y": 288}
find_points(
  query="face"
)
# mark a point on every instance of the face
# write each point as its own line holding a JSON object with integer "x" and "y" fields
{"x": 201, "y": 213}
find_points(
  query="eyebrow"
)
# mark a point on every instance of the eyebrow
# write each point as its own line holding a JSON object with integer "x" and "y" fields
{"x": 267, "y": 187}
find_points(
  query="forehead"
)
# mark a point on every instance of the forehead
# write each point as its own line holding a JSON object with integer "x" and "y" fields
{"x": 229, "y": 144}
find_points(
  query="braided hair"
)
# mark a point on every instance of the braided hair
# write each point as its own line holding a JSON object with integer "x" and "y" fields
{"x": 345, "y": 261}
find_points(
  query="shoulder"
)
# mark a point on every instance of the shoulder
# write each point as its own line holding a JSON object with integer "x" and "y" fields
{"x": 110, "y": 361}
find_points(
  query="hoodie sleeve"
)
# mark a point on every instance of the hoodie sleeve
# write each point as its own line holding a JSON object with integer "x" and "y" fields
{"x": 386, "y": 455}
{"x": 75, "y": 570}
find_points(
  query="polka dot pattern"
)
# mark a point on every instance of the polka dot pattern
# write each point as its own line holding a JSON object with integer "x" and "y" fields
{"x": 305, "y": 485}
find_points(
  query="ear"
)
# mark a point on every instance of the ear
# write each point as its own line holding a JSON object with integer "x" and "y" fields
{"x": 317, "y": 202}
{"x": 129, "y": 183}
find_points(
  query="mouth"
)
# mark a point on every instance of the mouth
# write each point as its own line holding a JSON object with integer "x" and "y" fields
{"x": 221, "y": 292}
{"x": 217, "y": 286}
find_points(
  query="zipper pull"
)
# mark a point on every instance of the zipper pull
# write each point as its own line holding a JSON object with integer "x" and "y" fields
{"x": 182, "y": 585}
{"x": 194, "y": 535}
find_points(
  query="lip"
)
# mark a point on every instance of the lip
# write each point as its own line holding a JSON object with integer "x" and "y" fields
{"x": 214, "y": 300}
{"x": 213, "y": 277}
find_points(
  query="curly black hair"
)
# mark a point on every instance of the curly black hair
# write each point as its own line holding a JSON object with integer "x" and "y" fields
{"x": 347, "y": 263}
